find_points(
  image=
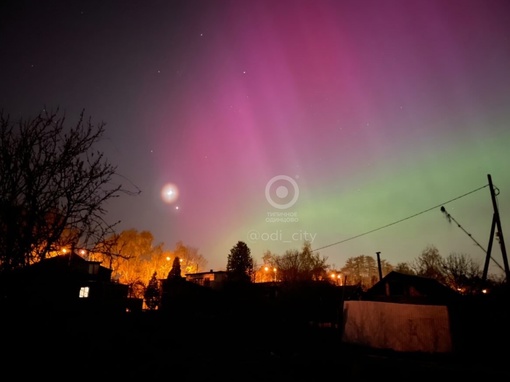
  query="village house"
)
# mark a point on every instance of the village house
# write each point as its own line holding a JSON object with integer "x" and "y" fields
{"x": 64, "y": 283}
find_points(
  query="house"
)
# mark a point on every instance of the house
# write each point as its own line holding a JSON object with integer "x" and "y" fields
{"x": 403, "y": 313}
{"x": 403, "y": 288}
{"x": 65, "y": 283}
{"x": 211, "y": 279}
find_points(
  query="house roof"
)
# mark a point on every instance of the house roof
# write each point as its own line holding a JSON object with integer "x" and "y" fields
{"x": 70, "y": 263}
{"x": 206, "y": 273}
{"x": 425, "y": 289}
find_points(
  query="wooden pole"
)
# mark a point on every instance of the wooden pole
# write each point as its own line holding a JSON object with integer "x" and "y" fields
{"x": 489, "y": 250}
{"x": 500, "y": 230}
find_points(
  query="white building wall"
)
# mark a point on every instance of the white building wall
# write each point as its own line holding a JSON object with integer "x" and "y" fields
{"x": 399, "y": 327}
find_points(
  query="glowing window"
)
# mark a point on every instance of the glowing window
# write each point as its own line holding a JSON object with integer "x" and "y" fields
{"x": 84, "y": 292}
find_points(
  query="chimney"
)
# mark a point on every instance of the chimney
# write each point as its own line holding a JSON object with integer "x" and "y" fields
{"x": 379, "y": 265}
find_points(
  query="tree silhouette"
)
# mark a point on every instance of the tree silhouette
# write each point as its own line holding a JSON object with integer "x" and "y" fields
{"x": 175, "y": 272}
{"x": 191, "y": 260}
{"x": 462, "y": 273}
{"x": 363, "y": 271}
{"x": 133, "y": 256}
{"x": 302, "y": 265}
{"x": 152, "y": 294}
{"x": 240, "y": 263}
{"x": 405, "y": 268}
{"x": 53, "y": 187}
{"x": 430, "y": 264}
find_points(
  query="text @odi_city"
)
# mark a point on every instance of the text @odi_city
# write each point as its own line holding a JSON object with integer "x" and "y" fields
{"x": 281, "y": 236}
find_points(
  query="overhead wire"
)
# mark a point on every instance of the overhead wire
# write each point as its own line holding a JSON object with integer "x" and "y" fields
{"x": 451, "y": 218}
{"x": 401, "y": 220}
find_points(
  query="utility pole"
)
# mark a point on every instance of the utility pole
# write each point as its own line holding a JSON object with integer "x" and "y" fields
{"x": 496, "y": 223}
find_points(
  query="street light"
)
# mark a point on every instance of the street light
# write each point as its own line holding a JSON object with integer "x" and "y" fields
{"x": 337, "y": 278}
{"x": 166, "y": 265}
{"x": 266, "y": 269}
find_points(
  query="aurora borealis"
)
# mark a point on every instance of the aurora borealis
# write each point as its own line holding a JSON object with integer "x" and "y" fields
{"x": 368, "y": 113}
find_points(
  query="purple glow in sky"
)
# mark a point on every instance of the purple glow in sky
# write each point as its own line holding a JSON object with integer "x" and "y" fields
{"x": 339, "y": 122}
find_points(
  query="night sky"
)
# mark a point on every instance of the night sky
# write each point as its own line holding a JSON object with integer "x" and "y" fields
{"x": 346, "y": 123}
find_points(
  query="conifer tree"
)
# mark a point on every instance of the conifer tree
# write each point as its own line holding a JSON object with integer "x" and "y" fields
{"x": 175, "y": 272}
{"x": 240, "y": 263}
{"x": 153, "y": 293}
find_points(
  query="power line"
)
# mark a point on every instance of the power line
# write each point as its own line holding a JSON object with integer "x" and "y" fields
{"x": 450, "y": 218}
{"x": 401, "y": 220}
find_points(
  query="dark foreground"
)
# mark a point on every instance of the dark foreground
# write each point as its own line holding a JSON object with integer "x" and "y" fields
{"x": 153, "y": 346}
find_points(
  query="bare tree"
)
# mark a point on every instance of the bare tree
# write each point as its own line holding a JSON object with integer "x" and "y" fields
{"x": 53, "y": 187}
{"x": 191, "y": 260}
{"x": 288, "y": 266}
{"x": 430, "y": 264}
{"x": 462, "y": 273}
{"x": 404, "y": 268}
{"x": 133, "y": 256}
{"x": 362, "y": 270}
{"x": 267, "y": 271}
{"x": 304, "y": 265}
